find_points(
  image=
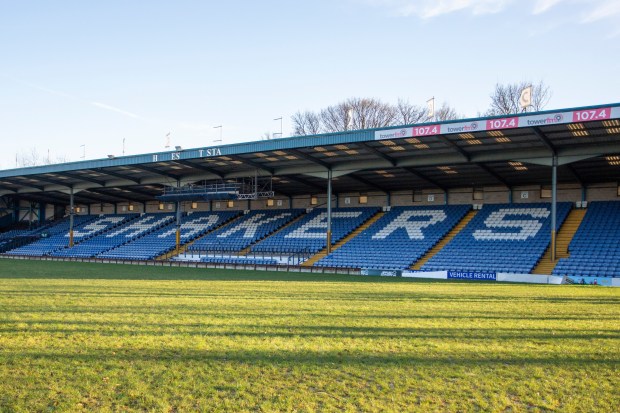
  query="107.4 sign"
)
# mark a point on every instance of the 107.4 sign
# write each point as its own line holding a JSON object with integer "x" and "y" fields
{"x": 591, "y": 114}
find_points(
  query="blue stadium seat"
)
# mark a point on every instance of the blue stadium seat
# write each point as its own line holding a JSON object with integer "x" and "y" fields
{"x": 245, "y": 231}
{"x": 308, "y": 234}
{"x": 398, "y": 239}
{"x": 595, "y": 248}
{"x": 162, "y": 240}
{"x": 501, "y": 238}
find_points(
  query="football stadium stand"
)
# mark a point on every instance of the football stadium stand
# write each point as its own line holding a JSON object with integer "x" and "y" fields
{"x": 398, "y": 239}
{"x": 503, "y": 237}
{"x": 308, "y": 234}
{"x": 162, "y": 240}
{"x": 465, "y": 195}
{"x": 245, "y": 231}
{"x": 595, "y": 248}
{"x": 54, "y": 237}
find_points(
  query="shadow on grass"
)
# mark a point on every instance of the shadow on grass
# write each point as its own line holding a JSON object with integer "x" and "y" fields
{"x": 458, "y": 331}
{"x": 200, "y": 311}
{"x": 333, "y": 358}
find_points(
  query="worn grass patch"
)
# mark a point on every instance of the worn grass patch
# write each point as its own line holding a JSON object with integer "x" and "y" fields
{"x": 93, "y": 337}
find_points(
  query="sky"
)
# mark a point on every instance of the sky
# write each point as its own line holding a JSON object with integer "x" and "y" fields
{"x": 78, "y": 78}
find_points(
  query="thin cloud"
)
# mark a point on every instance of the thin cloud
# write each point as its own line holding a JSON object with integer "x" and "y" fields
{"x": 72, "y": 97}
{"x": 589, "y": 11}
{"x": 117, "y": 110}
{"x": 426, "y": 9}
{"x": 542, "y": 6}
{"x": 605, "y": 10}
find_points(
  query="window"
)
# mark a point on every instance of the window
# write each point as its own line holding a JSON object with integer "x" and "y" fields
{"x": 478, "y": 195}
{"x": 77, "y": 210}
{"x": 161, "y": 207}
{"x": 130, "y": 207}
{"x": 270, "y": 202}
{"x": 545, "y": 193}
{"x": 363, "y": 199}
{"x": 314, "y": 200}
{"x": 231, "y": 204}
{"x": 194, "y": 205}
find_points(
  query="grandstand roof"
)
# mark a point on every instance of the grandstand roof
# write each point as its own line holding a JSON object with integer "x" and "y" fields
{"x": 503, "y": 151}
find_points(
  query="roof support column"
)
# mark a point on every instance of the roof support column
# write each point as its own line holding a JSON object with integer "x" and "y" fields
{"x": 71, "y": 213}
{"x": 554, "y": 184}
{"x": 42, "y": 208}
{"x": 329, "y": 211}
{"x": 178, "y": 237}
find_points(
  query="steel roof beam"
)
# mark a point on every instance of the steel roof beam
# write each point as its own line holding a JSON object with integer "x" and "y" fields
{"x": 118, "y": 175}
{"x": 253, "y": 164}
{"x": 83, "y": 178}
{"x": 310, "y": 158}
{"x": 157, "y": 172}
{"x": 304, "y": 182}
{"x": 119, "y": 197}
{"x": 572, "y": 170}
{"x": 457, "y": 148}
{"x": 423, "y": 177}
{"x": 366, "y": 182}
{"x": 380, "y": 154}
{"x": 200, "y": 167}
{"x": 493, "y": 174}
{"x": 545, "y": 140}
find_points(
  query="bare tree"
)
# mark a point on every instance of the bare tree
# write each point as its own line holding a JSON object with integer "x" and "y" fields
{"x": 32, "y": 157}
{"x": 505, "y": 97}
{"x": 368, "y": 113}
{"x": 306, "y": 123}
{"x": 364, "y": 113}
{"x": 408, "y": 114}
{"x": 446, "y": 112}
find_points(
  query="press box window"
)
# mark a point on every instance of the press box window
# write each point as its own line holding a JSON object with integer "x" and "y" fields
{"x": 363, "y": 199}
{"x": 478, "y": 196}
{"x": 314, "y": 200}
{"x": 545, "y": 193}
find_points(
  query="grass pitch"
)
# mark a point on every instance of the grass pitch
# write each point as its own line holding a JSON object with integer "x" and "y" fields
{"x": 95, "y": 337}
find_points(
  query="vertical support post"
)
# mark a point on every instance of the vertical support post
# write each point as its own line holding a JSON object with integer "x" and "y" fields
{"x": 16, "y": 210}
{"x": 389, "y": 199}
{"x": 178, "y": 237}
{"x": 88, "y": 209}
{"x": 71, "y": 213}
{"x": 554, "y": 184}
{"x": 584, "y": 193}
{"x": 115, "y": 208}
{"x": 329, "y": 211}
{"x": 445, "y": 197}
{"x": 42, "y": 208}
{"x": 290, "y": 202}
{"x": 30, "y": 210}
{"x": 510, "y": 195}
